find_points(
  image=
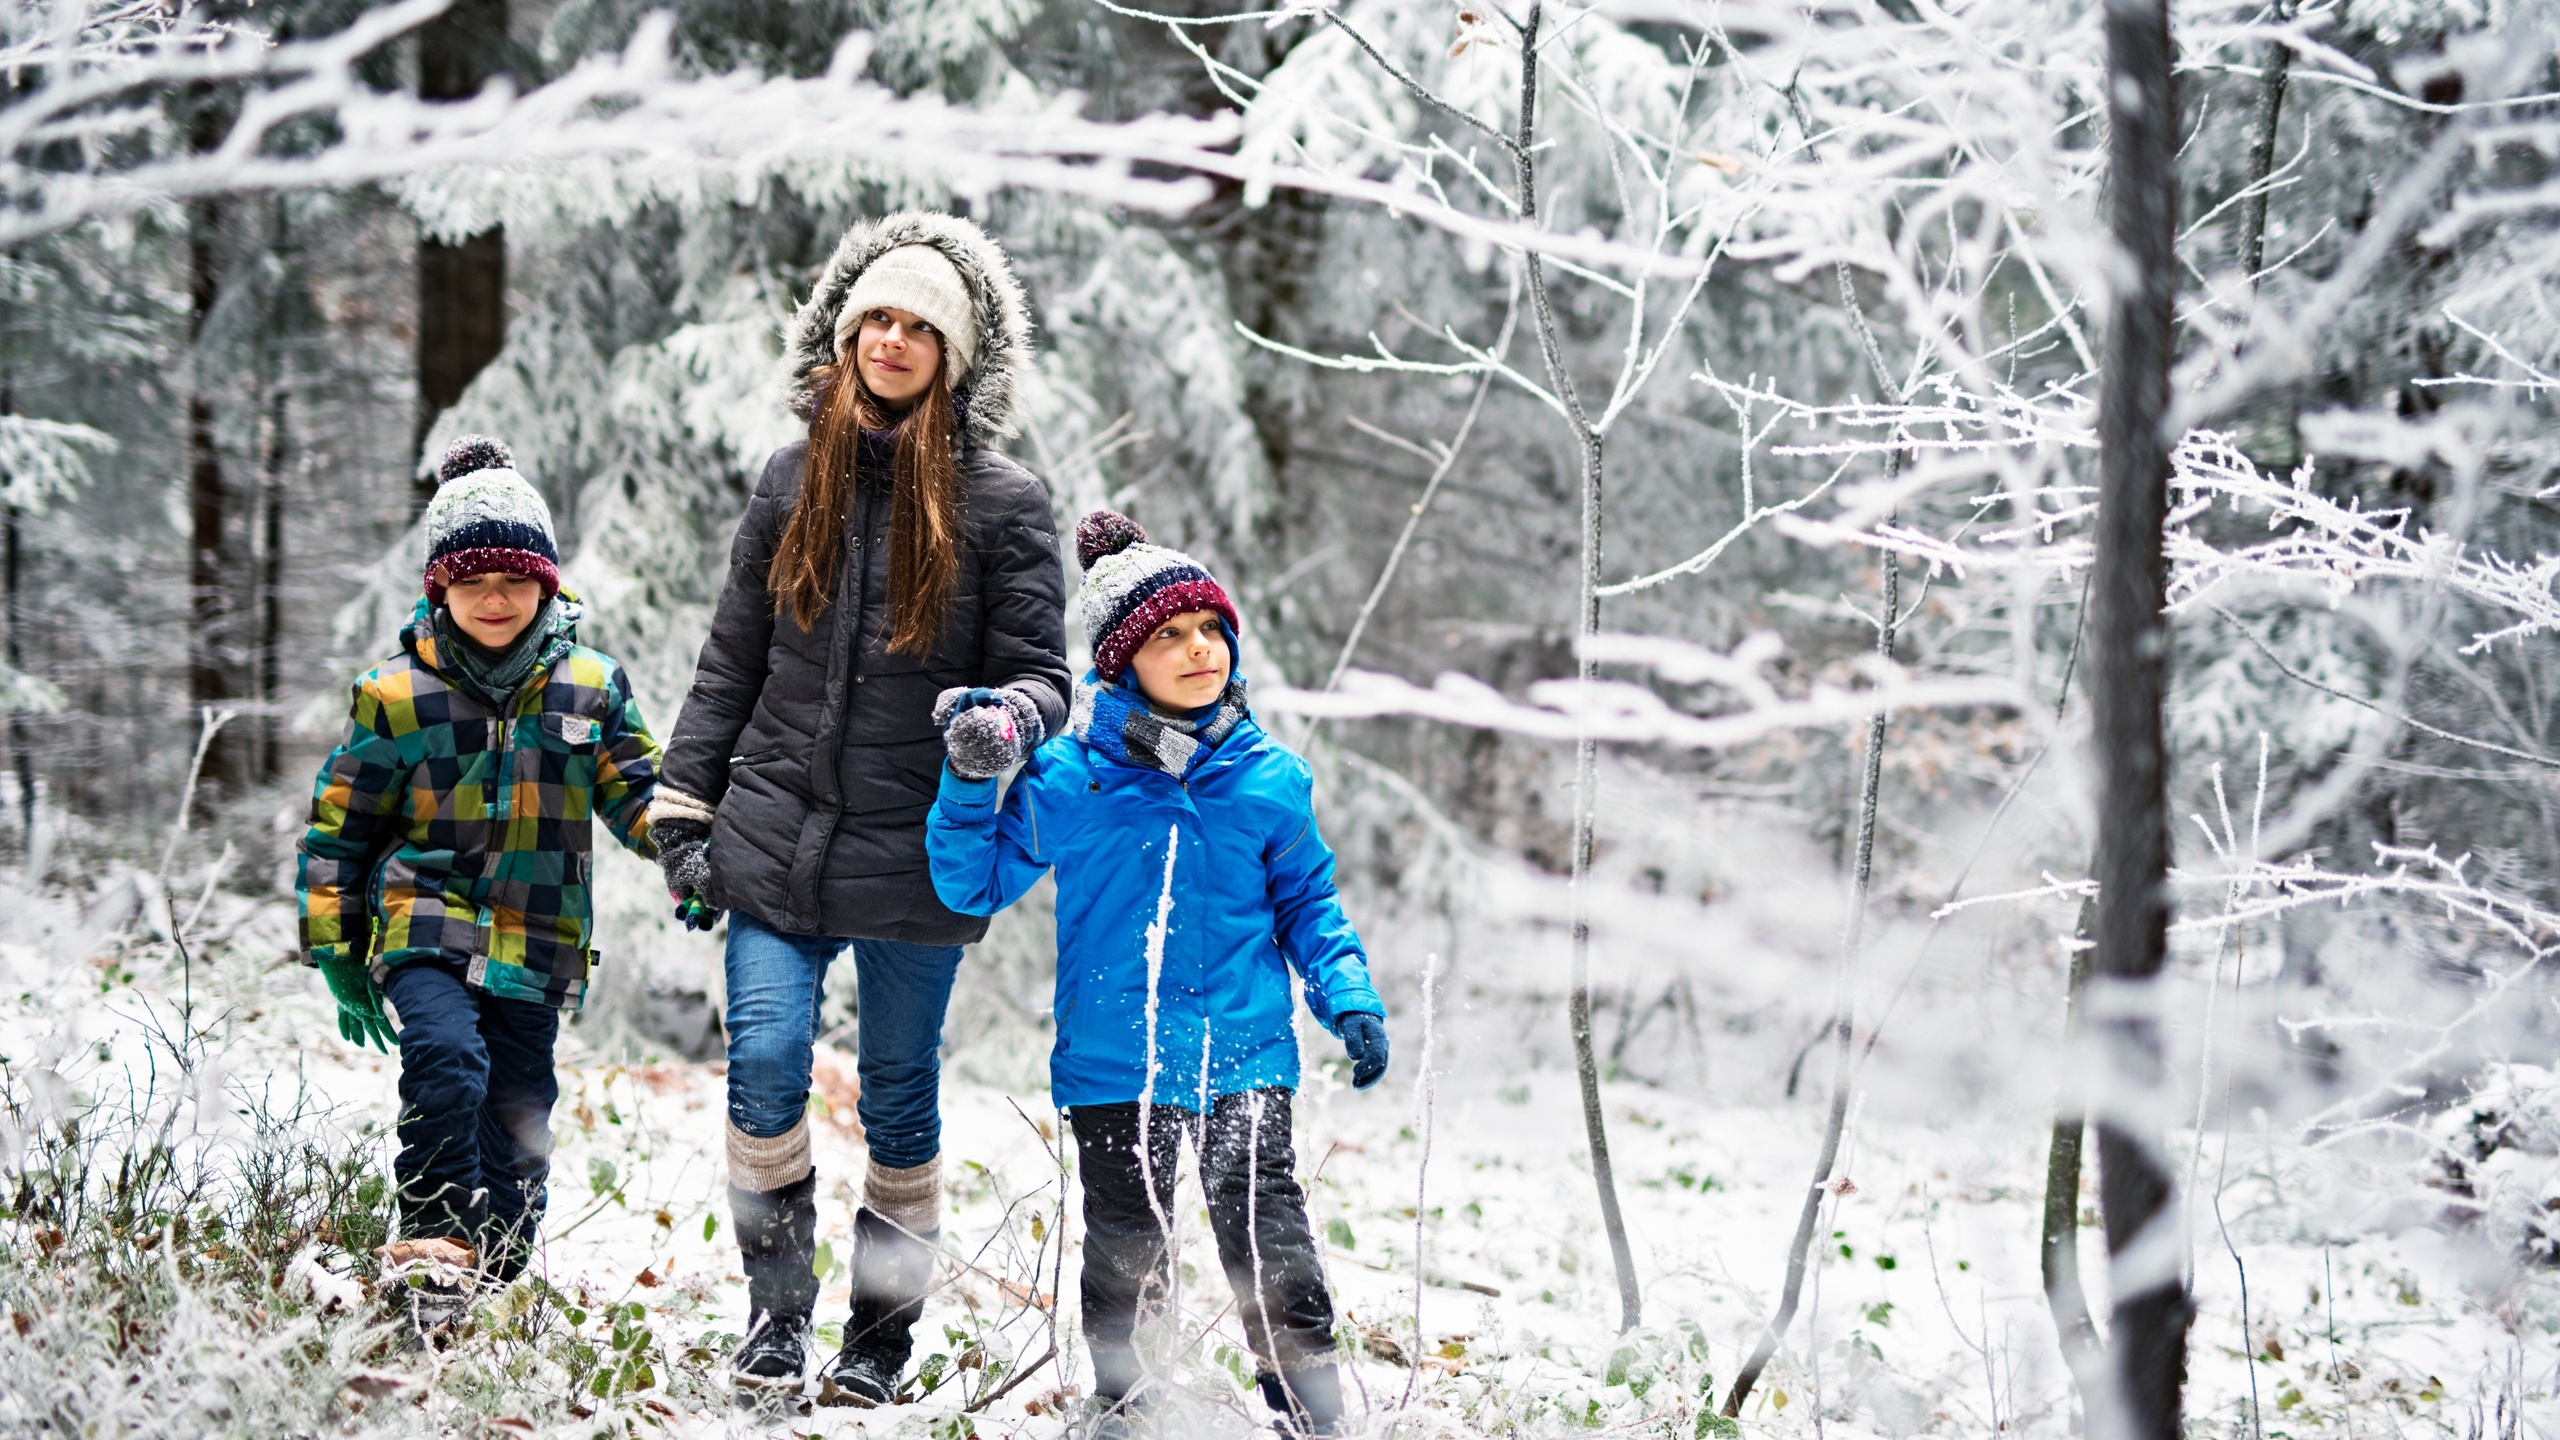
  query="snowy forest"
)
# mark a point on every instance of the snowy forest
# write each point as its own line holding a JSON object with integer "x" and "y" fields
{"x": 1921, "y": 625}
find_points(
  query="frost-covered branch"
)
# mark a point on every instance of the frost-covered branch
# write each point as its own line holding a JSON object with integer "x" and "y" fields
{"x": 84, "y": 137}
{"x": 1619, "y": 712}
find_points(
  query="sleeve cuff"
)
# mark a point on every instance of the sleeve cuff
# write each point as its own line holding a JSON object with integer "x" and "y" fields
{"x": 965, "y": 800}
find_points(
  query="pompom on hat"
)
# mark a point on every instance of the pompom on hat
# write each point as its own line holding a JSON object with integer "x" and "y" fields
{"x": 487, "y": 519}
{"x": 1131, "y": 587}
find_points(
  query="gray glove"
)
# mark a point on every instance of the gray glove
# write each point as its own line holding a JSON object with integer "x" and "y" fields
{"x": 987, "y": 732}
{"x": 684, "y": 857}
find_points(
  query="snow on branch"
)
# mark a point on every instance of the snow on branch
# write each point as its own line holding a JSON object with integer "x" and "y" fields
{"x": 1622, "y": 712}
{"x": 42, "y": 460}
{"x": 2339, "y": 545}
{"x": 2408, "y": 872}
{"x": 87, "y": 135}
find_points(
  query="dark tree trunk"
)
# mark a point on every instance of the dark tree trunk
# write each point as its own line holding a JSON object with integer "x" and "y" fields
{"x": 2146, "y": 1336}
{"x": 276, "y": 377}
{"x": 2062, "y": 1293}
{"x": 271, "y": 587}
{"x": 212, "y": 640}
{"x": 2262, "y": 158}
{"x": 21, "y": 754}
{"x": 462, "y": 287}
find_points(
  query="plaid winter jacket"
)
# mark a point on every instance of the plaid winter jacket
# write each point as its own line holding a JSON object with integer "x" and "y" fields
{"x": 441, "y": 829}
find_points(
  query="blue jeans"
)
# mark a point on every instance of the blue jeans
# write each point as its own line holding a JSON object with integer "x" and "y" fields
{"x": 776, "y": 981}
{"x": 476, "y": 1090}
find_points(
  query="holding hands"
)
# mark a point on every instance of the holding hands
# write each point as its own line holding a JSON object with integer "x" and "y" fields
{"x": 987, "y": 732}
{"x": 684, "y": 857}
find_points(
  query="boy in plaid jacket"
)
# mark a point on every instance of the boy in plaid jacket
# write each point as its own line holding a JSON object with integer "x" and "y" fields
{"x": 446, "y": 865}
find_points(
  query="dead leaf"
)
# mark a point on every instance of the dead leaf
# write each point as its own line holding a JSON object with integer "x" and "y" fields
{"x": 838, "y": 1094}
{"x": 374, "y": 1384}
{"x": 438, "y": 1251}
{"x": 1725, "y": 163}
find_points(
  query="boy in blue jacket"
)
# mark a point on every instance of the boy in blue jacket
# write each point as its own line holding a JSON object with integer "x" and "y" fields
{"x": 1191, "y": 883}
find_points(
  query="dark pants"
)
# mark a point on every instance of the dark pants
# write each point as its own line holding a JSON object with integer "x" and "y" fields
{"x": 1256, "y": 1211}
{"x": 476, "y": 1090}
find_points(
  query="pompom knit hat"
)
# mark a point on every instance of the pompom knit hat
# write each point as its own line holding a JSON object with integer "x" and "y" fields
{"x": 1131, "y": 587}
{"x": 487, "y": 519}
{"x": 921, "y": 279}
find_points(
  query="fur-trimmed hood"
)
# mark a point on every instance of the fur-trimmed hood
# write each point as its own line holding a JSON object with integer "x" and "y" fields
{"x": 989, "y": 399}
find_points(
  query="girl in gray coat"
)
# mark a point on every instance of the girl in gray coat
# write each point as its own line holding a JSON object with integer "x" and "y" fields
{"x": 890, "y": 557}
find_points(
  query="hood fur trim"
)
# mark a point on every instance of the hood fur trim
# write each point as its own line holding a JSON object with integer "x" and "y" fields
{"x": 1004, "y": 317}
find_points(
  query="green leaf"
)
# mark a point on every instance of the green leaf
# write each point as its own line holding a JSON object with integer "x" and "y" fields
{"x": 710, "y": 1225}
{"x": 1886, "y": 1262}
{"x": 824, "y": 1261}
{"x": 1338, "y": 1231}
{"x": 1712, "y": 1426}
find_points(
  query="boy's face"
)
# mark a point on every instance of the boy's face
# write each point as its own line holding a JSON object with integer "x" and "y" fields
{"x": 1184, "y": 665}
{"x": 493, "y": 609}
{"x": 898, "y": 353}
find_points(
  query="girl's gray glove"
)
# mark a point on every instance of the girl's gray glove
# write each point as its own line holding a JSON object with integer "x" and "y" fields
{"x": 684, "y": 857}
{"x": 987, "y": 732}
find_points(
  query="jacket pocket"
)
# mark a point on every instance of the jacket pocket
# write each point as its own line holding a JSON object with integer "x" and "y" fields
{"x": 573, "y": 731}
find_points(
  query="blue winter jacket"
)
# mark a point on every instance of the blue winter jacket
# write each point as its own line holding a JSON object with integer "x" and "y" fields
{"x": 1248, "y": 899}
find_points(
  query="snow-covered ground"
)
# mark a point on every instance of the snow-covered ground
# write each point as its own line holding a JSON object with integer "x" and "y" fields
{"x": 1925, "y": 1315}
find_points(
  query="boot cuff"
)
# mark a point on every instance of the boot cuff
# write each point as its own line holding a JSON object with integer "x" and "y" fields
{"x": 759, "y": 1162}
{"x": 910, "y": 1198}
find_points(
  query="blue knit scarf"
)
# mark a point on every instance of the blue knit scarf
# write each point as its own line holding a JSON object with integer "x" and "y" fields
{"x": 1117, "y": 720}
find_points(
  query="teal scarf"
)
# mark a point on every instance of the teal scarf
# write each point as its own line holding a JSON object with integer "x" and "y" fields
{"x": 496, "y": 674}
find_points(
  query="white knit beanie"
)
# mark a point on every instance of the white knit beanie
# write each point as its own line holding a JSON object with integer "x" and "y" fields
{"x": 922, "y": 280}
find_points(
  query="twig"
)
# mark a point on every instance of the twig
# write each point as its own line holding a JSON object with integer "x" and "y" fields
{"x": 1413, "y": 522}
{"x": 1842, "y": 1065}
{"x": 1422, "y": 1095}
{"x": 2392, "y": 715}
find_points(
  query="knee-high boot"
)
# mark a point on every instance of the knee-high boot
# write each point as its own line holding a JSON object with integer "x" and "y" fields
{"x": 777, "y": 1241}
{"x": 893, "y": 1262}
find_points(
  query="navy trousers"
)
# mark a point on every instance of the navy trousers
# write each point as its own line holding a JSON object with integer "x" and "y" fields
{"x": 476, "y": 1091}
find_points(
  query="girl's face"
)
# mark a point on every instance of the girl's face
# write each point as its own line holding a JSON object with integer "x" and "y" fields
{"x": 897, "y": 352}
{"x": 493, "y": 609}
{"x": 1184, "y": 665}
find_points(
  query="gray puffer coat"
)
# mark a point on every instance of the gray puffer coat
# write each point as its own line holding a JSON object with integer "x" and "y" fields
{"x": 817, "y": 748}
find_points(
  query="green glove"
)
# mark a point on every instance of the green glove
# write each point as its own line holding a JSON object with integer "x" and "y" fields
{"x": 360, "y": 1016}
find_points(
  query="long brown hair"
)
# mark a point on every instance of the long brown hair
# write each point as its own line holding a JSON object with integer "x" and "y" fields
{"x": 924, "y": 507}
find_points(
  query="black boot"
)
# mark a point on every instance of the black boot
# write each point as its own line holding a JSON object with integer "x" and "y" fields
{"x": 1308, "y": 1401}
{"x": 891, "y": 1272}
{"x": 777, "y": 1241}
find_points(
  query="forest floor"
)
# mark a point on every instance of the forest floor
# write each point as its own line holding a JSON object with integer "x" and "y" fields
{"x": 1924, "y": 1317}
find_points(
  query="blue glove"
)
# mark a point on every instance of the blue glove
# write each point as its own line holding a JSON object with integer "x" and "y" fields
{"x": 1364, "y": 1038}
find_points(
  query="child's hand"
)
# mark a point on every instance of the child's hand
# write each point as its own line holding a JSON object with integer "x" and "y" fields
{"x": 360, "y": 1017}
{"x": 987, "y": 732}
{"x": 1364, "y": 1038}
{"x": 684, "y": 857}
